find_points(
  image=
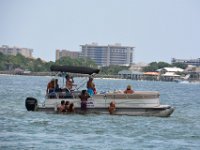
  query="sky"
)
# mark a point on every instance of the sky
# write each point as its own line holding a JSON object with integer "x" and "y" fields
{"x": 158, "y": 29}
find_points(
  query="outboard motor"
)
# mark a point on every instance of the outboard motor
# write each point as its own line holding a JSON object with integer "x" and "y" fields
{"x": 31, "y": 103}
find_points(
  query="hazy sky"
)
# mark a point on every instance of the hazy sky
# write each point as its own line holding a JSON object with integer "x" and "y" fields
{"x": 158, "y": 29}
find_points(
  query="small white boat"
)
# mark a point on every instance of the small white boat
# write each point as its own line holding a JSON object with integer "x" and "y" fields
{"x": 140, "y": 103}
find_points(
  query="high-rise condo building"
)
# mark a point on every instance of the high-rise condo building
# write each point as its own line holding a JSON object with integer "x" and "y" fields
{"x": 109, "y": 54}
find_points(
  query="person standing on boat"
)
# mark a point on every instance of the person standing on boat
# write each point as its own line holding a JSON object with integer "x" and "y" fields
{"x": 69, "y": 82}
{"x": 91, "y": 87}
{"x": 128, "y": 90}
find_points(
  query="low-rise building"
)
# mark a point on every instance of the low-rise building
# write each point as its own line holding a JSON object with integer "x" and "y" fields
{"x": 6, "y": 50}
{"x": 171, "y": 69}
{"x": 65, "y": 53}
{"x": 138, "y": 66}
{"x": 194, "y": 62}
{"x": 128, "y": 74}
{"x": 170, "y": 73}
{"x": 193, "y": 72}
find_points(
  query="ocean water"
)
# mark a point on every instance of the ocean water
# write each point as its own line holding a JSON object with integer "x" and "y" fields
{"x": 20, "y": 129}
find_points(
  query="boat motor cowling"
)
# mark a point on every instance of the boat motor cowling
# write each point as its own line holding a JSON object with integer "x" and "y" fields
{"x": 31, "y": 103}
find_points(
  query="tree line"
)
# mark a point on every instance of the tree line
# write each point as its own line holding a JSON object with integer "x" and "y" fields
{"x": 10, "y": 62}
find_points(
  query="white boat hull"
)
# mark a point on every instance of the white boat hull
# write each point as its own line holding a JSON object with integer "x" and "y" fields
{"x": 161, "y": 111}
{"x": 137, "y": 104}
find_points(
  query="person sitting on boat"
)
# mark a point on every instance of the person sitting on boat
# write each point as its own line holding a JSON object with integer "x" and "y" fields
{"x": 61, "y": 108}
{"x": 69, "y": 82}
{"x": 50, "y": 86}
{"x": 91, "y": 87}
{"x": 128, "y": 90}
{"x": 84, "y": 97}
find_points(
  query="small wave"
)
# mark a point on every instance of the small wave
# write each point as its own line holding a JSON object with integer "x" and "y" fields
{"x": 40, "y": 122}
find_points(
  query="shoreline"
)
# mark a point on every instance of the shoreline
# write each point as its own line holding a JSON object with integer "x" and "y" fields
{"x": 107, "y": 77}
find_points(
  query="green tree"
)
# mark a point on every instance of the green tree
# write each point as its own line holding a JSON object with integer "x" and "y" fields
{"x": 76, "y": 62}
{"x": 153, "y": 66}
{"x": 112, "y": 70}
{"x": 163, "y": 64}
{"x": 180, "y": 65}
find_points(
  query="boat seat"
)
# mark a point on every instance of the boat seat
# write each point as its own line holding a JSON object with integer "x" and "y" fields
{"x": 68, "y": 95}
{"x": 65, "y": 95}
{"x": 52, "y": 95}
{"x": 136, "y": 95}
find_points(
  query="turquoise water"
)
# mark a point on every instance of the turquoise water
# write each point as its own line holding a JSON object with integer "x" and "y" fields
{"x": 20, "y": 129}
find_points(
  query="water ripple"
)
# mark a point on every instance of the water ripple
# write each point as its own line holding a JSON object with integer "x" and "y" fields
{"x": 20, "y": 129}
